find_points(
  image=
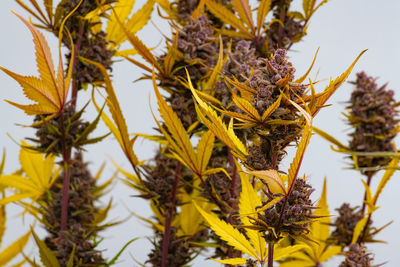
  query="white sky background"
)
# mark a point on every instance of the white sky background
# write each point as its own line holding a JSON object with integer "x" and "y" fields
{"x": 341, "y": 29}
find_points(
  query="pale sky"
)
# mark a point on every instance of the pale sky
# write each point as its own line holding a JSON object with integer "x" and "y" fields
{"x": 341, "y": 28}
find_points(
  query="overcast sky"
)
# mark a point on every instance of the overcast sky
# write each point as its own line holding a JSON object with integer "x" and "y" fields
{"x": 341, "y": 28}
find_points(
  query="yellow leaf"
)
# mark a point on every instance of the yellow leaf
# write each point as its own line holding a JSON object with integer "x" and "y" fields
{"x": 226, "y": 16}
{"x": 386, "y": 177}
{"x": 218, "y": 67}
{"x": 368, "y": 195}
{"x": 133, "y": 24}
{"x": 246, "y": 106}
{"x": 270, "y": 204}
{"x": 3, "y": 219}
{"x": 296, "y": 163}
{"x": 120, "y": 129}
{"x": 233, "y": 261}
{"x": 39, "y": 170}
{"x": 242, "y": 7}
{"x": 180, "y": 140}
{"x": 122, "y": 9}
{"x": 248, "y": 202}
{"x": 358, "y": 229}
{"x": 272, "y": 179}
{"x": 227, "y": 233}
{"x": 271, "y": 109}
{"x": 215, "y": 124}
{"x": 285, "y": 252}
{"x": 333, "y": 86}
{"x": 330, "y": 252}
{"x": 302, "y": 78}
{"x": 308, "y": 6}
{"x": 262, "y": 12}
{"x": 204, "y": 149}
{"x": 190, "y": 219}
{"x": 49, "y": 92}
{"x": 14, "y": 249}
{"x": 329, "y": 138}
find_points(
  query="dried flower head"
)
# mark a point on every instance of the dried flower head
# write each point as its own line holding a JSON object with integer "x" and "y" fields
{"x": 48, "y": 132}
{"x": 81, "y": 209}
{"x": 357, "y": 256}
{"x": 159, "y": 179}
{"x": 373, "y": 116}
{"x": 297, "y": 213}
{"x": 344, "y": 224}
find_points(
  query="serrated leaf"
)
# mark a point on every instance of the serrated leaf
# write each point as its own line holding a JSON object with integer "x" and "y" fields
{"x": 119, "y": 129}
{"x": 215, "y": 124}
{"x": 133, "y": 24}
{"x": 262, "y": 12}
{"x": 248, "y": 203}
{"x": 268, "y": 112}
{"x": 47, "y": 256}
{"x": 332, "y": 87}
{"x": 178, "y": 137}
{"x": 226, "y": 16}
{"x": 386, "y": 177}
{"x": 242, "y": 7}
{"x": 227, "y": 233}
{"x": 139, "y": 46}
{"x": 298, "y": 159}
{"x": 122, "y": 9}
{"x": 246, "y": 106}
{"x": 204, "y": 150}
{"x": 14, "y": 249}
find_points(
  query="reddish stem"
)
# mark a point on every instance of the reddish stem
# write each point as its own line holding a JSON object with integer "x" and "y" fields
{"x": 170, "y": 214}
{"x": 66, "y": 178}
{"x": 271, "y": 254}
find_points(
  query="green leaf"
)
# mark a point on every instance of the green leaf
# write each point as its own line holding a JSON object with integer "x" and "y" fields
{"x": 47, "y": 256}
{"x": 115, "y": 258}
{"x": 70, "y": 262}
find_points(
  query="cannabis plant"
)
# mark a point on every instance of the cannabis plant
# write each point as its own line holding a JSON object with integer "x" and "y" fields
{"x": 230, "y": 104}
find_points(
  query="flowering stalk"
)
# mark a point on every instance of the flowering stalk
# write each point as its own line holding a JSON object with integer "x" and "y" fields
{"x": 170, "y": 216}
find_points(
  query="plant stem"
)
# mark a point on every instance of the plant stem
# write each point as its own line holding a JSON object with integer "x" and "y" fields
{"x": 66, "y": 179}
{"x": 169, "y": 217}
{"x": 365, "y": 194}
{"x": 271, "y": 254}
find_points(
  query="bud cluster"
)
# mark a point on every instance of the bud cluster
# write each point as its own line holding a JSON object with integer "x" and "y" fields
{"x": 294, "y": 217}
{"x": 373, "y": 116}
{"x": 81, "y": 215}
